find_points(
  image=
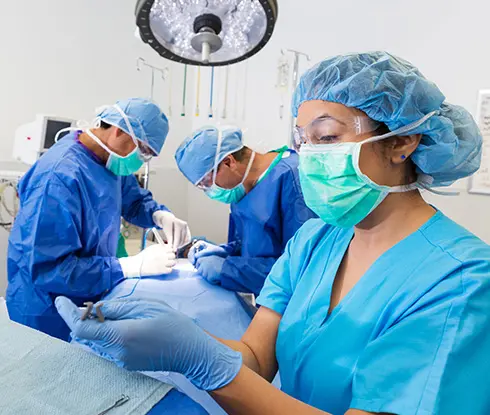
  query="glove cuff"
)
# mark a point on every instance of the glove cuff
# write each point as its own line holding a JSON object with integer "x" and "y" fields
{"x": 131, "y": 266}
{"x": 219, "y": 369}
{"x": 159, "y": 215}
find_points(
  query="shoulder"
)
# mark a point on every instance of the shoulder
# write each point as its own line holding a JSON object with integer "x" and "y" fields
{"x": 458, "y": 261}
{"x": 57, "y": 168}
{"x": 288, "y": 164}
{"x": 286, "y": 172}
{"x": 454, "y": 240}
{"x": 312, "y": 233}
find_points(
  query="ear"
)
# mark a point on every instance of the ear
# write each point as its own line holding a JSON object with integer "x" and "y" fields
{"x": 403, "y": 147}
{"x": 228, "y": 161}
{"x": 119, "y": 132}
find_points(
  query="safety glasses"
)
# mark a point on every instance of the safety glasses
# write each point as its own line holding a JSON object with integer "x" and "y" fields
{"x": 209, "y": 178}
{"x": 326, "y": 130}
{"x": 146, "y": 152}
{"x": 207, "y": 181}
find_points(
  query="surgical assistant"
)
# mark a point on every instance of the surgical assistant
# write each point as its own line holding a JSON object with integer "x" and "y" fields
{"x": 386, "y": 312}
{"x": 65, "y": 236}
{"x": 267, "y": 205}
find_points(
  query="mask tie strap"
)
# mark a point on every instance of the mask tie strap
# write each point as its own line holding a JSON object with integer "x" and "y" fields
{"x": 249, "y": 167}
{"x": 128, "y": 124}
{"x": 423, "y": 186}
{"x": 216, "y": 157}
{"x": 401, "y": 130}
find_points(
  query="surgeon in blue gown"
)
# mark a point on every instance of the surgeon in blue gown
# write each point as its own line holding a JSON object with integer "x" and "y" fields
{"x": 267, "y": 205}
{"x": 380, "y": 306}
{"x": 64, "y": 239}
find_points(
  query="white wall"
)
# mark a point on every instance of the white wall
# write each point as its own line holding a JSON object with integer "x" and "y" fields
{"x": 67, "y": 57}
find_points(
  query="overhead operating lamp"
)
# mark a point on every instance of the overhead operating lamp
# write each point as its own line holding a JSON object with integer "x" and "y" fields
{"x": 206, "y": 32}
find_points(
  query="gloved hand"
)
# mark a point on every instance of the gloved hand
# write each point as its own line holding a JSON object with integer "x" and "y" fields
{"x": 176, "y": 230}
{"x": 154, "y": 260}
{"x": 152, "y": 336}
{"x": 210, "y": 268}
{"x": 202, "y": 249}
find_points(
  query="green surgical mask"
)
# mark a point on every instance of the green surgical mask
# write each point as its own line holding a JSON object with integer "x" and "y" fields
{"x": 334, "y": 186}
{"x": 119, "y": 165}
{"x": 125, "y": 166}
{"x": 233, "y": 195}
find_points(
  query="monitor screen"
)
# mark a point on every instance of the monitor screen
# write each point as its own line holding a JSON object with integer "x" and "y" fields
{"x": 52, "y": 127}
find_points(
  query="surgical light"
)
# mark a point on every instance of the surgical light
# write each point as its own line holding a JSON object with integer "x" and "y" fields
{"x": 206, "y": 32}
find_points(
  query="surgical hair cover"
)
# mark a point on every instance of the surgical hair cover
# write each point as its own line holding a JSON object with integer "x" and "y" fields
{"x": 149, "y": 123}
{"x": 196, "y": 156}
{"x": 392, "y": 91}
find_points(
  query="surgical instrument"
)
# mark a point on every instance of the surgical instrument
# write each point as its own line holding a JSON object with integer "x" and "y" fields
{"x": 87, "y": 314}
{"x": 120, "y": 402}
{"x": 157, "y": 236}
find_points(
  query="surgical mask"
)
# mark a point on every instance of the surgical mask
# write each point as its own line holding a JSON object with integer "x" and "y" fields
{"x": 233, "y": 195}
{"x": 334, "y": 186}
{"x": 119, "y": 165}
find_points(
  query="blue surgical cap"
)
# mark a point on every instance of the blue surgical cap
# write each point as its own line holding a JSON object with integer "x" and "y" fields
{"x": 196, "y": 156}
{"x": 149, "y": 123}
{"x": 392, "y": 91}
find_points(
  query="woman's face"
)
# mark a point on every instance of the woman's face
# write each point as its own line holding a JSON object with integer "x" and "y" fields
{"x": 384, "y": 162}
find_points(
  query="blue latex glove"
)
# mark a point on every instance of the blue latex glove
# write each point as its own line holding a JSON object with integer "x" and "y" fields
{"x": 210, "y": 268}
{"x": 203, "y": 249}
{"x": 152, "y": 336}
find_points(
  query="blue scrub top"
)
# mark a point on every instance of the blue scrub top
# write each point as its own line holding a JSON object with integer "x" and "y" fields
{"x": 411, "y": 337}
{"x": 261, "y": 224}
{"x": 65, "y": 236}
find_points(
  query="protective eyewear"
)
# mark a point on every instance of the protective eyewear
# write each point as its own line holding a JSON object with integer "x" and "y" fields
{"x": 210, "y": 178}
{"x": 146, "y": 152}
{"x": 326, "y": 130}
{"x": 206, "y": 182}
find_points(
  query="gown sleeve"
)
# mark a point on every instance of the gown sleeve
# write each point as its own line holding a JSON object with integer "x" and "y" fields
{"x": 54, "y": 244}
{"x": 138, "y": 204}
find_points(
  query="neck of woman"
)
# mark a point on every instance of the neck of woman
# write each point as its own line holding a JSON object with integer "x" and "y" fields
{"x": 397, "y": 217}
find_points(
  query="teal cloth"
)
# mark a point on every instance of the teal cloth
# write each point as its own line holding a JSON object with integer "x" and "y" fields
{"x": 43, "y": 375}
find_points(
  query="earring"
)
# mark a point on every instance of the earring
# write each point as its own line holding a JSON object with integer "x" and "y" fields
{"x": 403, "y": 157}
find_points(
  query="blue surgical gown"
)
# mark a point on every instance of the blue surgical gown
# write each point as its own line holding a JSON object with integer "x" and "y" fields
{"x": 411, "y": 337}
{"x": 65, "y": 236}
{"x": 261, "y": 224}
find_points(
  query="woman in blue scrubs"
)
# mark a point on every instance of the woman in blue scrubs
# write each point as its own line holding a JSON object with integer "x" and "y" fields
{"x": 387, "y": 311}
